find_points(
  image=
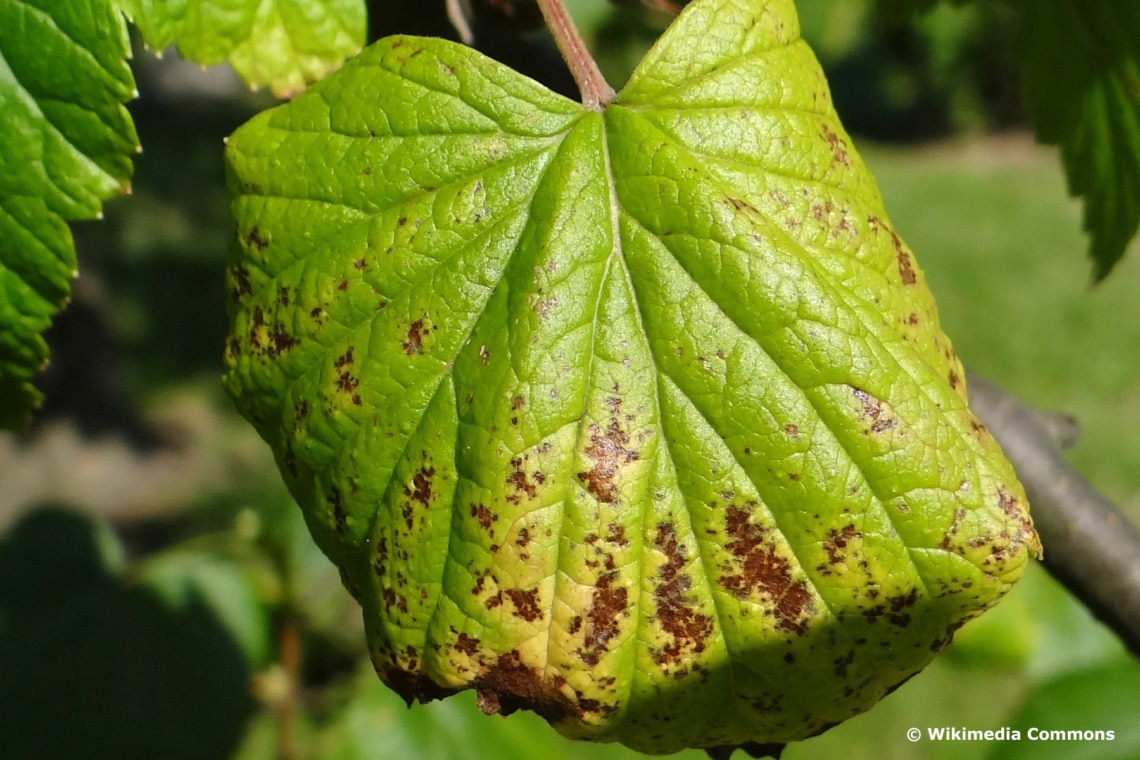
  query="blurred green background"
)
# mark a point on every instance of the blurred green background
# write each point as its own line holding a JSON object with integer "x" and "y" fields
{"x": 160, "y": 597}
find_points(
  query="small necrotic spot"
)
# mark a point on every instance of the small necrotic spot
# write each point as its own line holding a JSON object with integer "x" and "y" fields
{"x": 483, "y": 515}
{"x": 256, "y": 240}
{"x": 525, "y": 603}
{"x": 414, "y": 341}
{"x": 340, "y": 518}
{"x": 421, "y": 486}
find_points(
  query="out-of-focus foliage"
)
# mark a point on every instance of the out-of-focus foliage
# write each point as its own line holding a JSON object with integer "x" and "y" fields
{"x": 102, "y": 661}
{"x": 1082, "y": 78}
{"x": 65, "y": 147}
{"x": 1101, "y": 698}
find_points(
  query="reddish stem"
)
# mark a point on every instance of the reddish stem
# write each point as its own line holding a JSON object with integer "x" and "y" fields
{"x": 595, "y": 90}
{"x": 289, "y": 654}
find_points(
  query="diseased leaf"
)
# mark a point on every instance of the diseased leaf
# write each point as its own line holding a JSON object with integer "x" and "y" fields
{"x": 1086, "y": 100}
{"x": 285, "y": 44}
{"x": 65, "y": 146}
{"x": 641, "y": 418}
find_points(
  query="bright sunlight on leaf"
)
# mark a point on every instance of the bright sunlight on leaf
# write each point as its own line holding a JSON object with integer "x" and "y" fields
{"x": 638, "y": 417}
{"x": 285, "y": 44}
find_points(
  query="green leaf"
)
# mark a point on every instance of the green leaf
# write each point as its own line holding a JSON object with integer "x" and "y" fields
{"x": 641, "y": 418}
{"x": 65, "y": 143}
{"x": 1101, "y": 699}
{"x": 182, "y": 578}
{"x": 285, "y": 44}
{"x": 1087, "y": 101}
{"x": 100, "y": 668}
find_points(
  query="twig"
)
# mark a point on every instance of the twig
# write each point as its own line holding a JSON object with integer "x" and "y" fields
{"x": 1090, "y": 547}
{"x": 289, "y": 656}
{"x": 595, "y": 90}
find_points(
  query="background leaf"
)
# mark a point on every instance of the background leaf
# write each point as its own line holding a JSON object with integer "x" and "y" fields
{"x": 285, "y": 44}
{"x": 1103, "y": 698}
{"x": 1082, "y": 78}
{"x": 133, "y": 674}
{"x": 65, "y": 146}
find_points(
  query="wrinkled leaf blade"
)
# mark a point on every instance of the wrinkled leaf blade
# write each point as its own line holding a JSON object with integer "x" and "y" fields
{"x": 654, "y": 393}
{"x": 282, "y": 44}
{"x": 65, "y": 147}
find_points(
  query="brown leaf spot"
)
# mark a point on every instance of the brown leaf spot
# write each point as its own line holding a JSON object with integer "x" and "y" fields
{"x": 413, "y": 686}
{"x": 413, "y": 344}
{"x": 254, "y": 239}
{"x": 575, "y": 625}
{"x": 676, "y": 612}
{"x": 467, "y": 645}
{"x": 241, "y": 285}
{"x": 873, "y": 408}
{"x": 380, "y": 562}
{"x": 896, "y": 615}
{"x": 740, "y": 205}
{"x": 488, "y": 702}
{"x": 762, "y": 570}
{"x": 282, "y": 341}
{"x": 608, "y": 452}
{"x": 421, "y": 486}
{"x": 340, "y": 517}
{"x": 483, "y": 515}
{"x": 516, "y": 686}
{"x": 543, "y": 307}
{"x": 838, "y": 147}
{"x": 906, "y": 267}
{"x": 347, "y": 383}
{"x": 837, "y": 541}
{"x": 525, "y": 602}
{"x": 520, "y": 482}
{"x": 602, "y": 621}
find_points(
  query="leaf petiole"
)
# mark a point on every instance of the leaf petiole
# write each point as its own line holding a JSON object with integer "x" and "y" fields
{"x": 595, "y": 90}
